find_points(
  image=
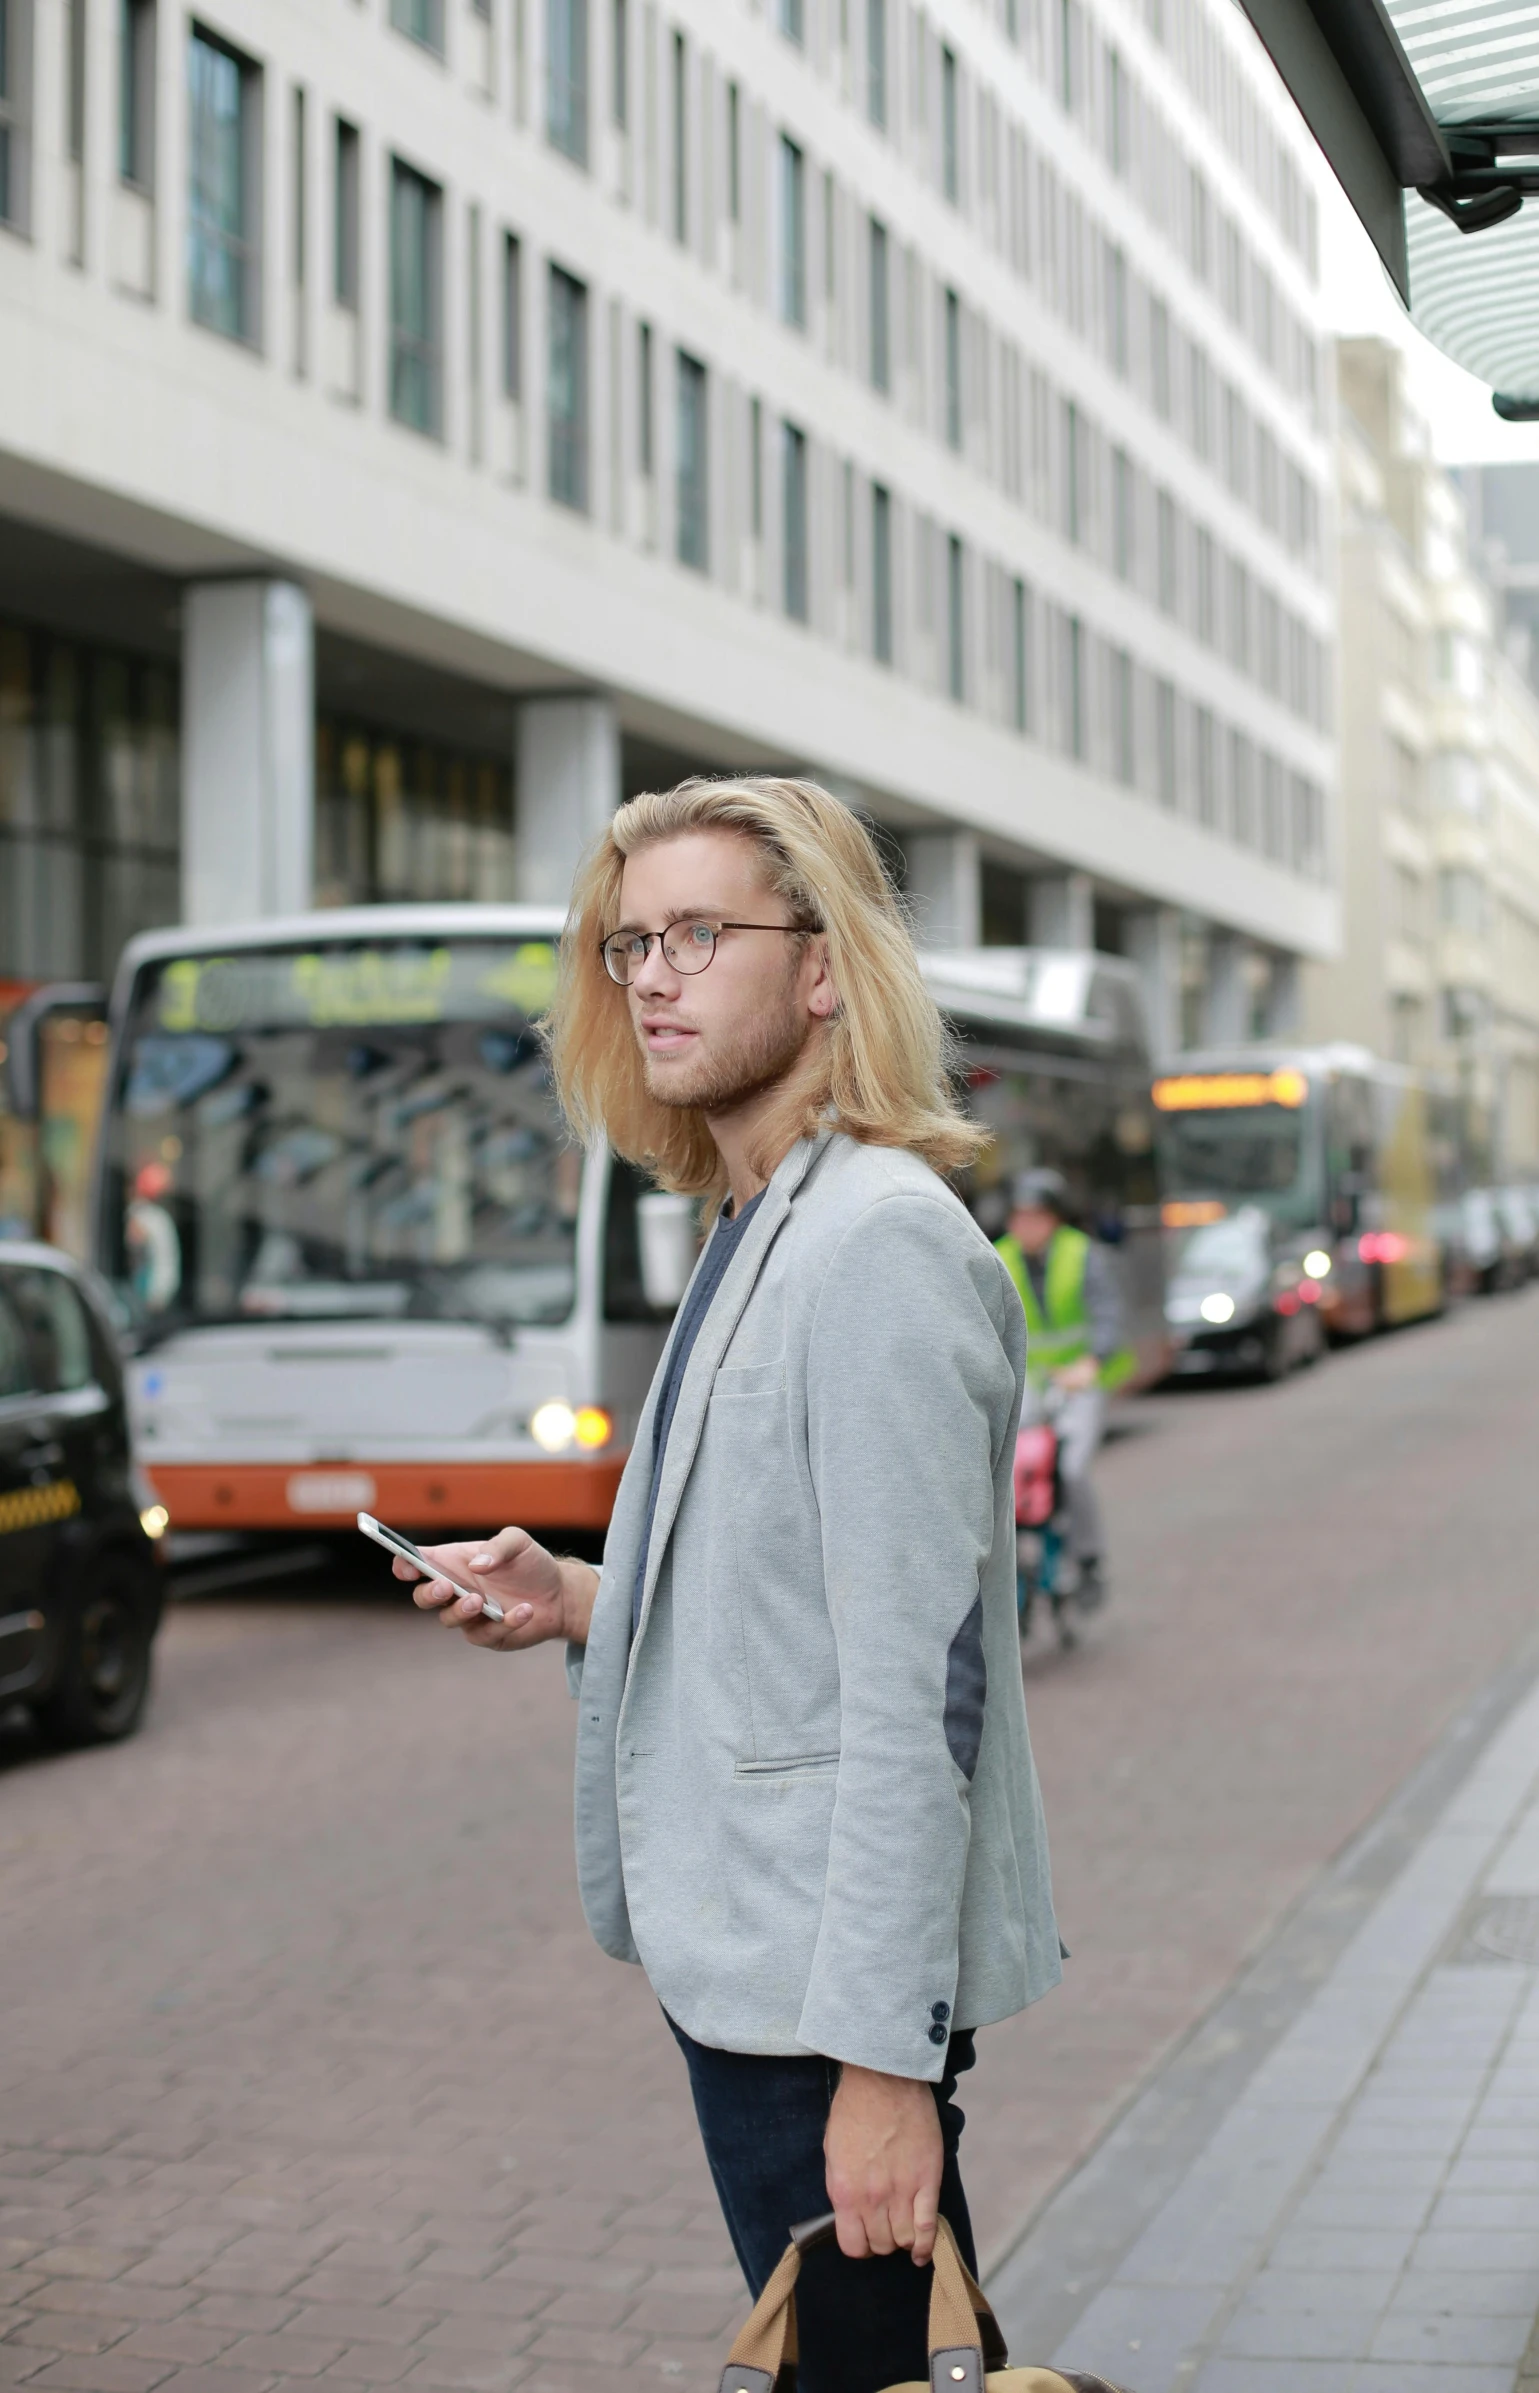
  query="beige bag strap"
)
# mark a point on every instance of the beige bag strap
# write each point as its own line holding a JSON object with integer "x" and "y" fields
{"x": 962, "y": 2326}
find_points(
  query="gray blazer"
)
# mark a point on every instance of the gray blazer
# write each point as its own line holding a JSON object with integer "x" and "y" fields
{"x": 805, "y": 1796}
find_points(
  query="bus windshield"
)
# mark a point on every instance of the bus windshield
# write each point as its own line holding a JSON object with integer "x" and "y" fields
{"x": 340, "y": 1132}
{"x": 1260, "y": 1152}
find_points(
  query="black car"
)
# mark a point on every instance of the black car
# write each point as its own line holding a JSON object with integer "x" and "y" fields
{"x": 1243, "y": 1295}
{"x": 80, "y": 1579}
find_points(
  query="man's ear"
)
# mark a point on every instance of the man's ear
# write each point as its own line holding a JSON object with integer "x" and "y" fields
{"x": 822, "y": 997}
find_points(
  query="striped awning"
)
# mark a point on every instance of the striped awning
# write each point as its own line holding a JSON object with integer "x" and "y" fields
{"x": 1439, "y": 98}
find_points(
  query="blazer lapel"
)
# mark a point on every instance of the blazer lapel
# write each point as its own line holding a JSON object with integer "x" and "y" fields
{"x": 711, "y": 1344}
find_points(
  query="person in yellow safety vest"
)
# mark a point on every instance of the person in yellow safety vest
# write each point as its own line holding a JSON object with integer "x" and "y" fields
{"x": 1074, "y": 1326}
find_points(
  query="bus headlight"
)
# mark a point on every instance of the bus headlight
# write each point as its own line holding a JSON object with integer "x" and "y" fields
{"x": 1317, "y": 1263}
{"x": 554, "y": 1426}
{"x": 593, "y": 1426}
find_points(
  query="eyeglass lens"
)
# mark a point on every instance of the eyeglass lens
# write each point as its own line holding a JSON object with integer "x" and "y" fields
{"x": 688, "y": 947}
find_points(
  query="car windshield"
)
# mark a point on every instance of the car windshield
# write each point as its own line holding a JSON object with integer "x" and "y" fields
{"x": 340, "y": 1133}
{"x": 1226, "y": 1249}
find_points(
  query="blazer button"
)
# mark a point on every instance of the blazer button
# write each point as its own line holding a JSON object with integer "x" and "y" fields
{"x": 940, "y": 2010}
{"x": 938, "y": 2034}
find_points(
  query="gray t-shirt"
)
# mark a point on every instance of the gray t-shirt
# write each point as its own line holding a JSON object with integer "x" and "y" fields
{"x": 725, "y": 1241}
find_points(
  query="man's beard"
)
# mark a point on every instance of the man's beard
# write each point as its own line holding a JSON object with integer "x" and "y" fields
{"x": 765, "y": 1052}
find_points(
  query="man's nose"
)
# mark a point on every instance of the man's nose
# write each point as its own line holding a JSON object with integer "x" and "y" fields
{"x": 657, "y": 976}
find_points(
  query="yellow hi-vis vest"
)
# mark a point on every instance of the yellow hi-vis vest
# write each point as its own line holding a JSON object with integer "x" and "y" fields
{"x": 1056, "y": 1330}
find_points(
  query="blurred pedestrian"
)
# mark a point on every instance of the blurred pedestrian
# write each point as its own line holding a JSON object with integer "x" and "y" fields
{"x": 805, "y": 1794}
{"x": 1067, "y": 1284}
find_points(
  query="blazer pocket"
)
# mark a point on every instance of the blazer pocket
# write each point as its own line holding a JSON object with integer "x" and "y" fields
{"x": 794, "y": 1765}
{"x": 750, "y": 1379}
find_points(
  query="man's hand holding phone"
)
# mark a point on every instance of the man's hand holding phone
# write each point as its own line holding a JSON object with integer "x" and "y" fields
{"x": 542, "y": 1595}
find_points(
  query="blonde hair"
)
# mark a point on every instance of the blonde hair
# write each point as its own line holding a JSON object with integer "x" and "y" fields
{"x": 877, "y": 1069}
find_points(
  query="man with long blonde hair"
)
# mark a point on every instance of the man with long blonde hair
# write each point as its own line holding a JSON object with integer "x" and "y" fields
{"x": 805, "y": 1795}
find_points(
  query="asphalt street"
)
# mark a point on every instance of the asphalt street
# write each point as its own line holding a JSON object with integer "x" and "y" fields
{"x": 310, "y": 2071}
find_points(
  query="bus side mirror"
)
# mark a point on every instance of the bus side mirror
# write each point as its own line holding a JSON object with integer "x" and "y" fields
{"x": 665, "y": 1229}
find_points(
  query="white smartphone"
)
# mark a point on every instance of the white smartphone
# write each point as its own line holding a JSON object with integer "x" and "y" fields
{"x": 394, "y": 1543}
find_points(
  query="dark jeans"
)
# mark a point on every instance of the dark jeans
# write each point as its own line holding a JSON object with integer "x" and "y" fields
{"x": 862, "y": 2324}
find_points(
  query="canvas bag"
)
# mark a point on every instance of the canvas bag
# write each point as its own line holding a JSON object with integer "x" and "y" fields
{"x": 967, "y": 2350}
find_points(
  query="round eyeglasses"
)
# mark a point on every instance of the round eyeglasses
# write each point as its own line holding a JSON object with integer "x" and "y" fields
{"x": 687, "y": 946}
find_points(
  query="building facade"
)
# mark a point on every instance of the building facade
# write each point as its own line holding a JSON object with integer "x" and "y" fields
{"x": 1439, "y": 965}
{"x": 425, "y": 421}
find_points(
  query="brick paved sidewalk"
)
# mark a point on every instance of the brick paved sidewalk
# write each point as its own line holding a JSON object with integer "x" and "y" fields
{"x": 1365, "y": 2217}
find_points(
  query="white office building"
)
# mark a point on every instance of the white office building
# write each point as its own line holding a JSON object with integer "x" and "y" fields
{"x": 423, "y": 422}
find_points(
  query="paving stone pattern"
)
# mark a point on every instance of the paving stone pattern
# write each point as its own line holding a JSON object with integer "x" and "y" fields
{"x": 1366, "y": 2218}
{"x": 310, "y": 2072}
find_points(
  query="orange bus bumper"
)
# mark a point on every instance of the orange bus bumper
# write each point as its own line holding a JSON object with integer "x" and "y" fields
{"x": 476, "y": 1497}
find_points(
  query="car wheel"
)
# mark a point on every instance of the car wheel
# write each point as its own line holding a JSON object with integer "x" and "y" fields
{"x": 103, "y": 1679}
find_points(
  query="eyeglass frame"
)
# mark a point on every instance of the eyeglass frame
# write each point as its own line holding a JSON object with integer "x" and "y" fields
{"x": 800, "y": 930}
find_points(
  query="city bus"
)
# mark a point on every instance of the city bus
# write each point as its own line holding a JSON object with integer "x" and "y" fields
{"x": 364, "y": 1268}
{"x": 1339, "y": 1148}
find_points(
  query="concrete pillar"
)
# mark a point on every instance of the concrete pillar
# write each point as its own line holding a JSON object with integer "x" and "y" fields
{"x": 1284, "y": 1006}
{"x": 248, "y": 751}
{"x": 1227, "y": 1013}
{"x": 1061, "y": 910}
{"x": 945, "y": 888}
{"x": 568, "y": 787}
{"x": 1154, "y": 950}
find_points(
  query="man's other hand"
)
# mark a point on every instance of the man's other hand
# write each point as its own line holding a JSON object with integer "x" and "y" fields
{"x": 884, "y": 2156}
{"x": 541, "y": 1597}
{"x": 1079, "y": 1375}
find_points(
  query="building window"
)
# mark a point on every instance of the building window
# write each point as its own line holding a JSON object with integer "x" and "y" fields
{"x": 416, "y": 299}
{"x": 421, "y": 20}
{"x": 793, "y": 234}
{"x": 620, "y": 65}
{"x": 512, "y": 317}
{"x": 136, "y": 93}
{"x": 881, "y": 328}
{"x": 344, "y": 214}
{"x": 956, "y": 647}
{"x": 1073, "y": 474}
{"x": 1117, "y": 310}
{"x": 1020, "y": 656}
{"x": 1122, "y": 515}
{"x": 15, "y": 110}
{"x": 98, "y": 733}
{"x": 876, "y": 63}
{"x": 566, "y": 78}
{"x": 1074, "y": 692}
{"x": 568, "y": 390}
{"x": 756, "y": 468}
{"x": 881, "y": 574}
{"x": 693, "y": 466}
{"x": 1167, "y": 589}
{"x": 793, "y": 486}
{"x": 1207, "y": 592}
{"x": 1159, "y": 358}
{"x": 951, "y": 181}
{"x": 1118, "y": 145}
{"x": 793, "y": 21}
{"x": 223, "y": 153}
{"x": 1165, "y": 743}
{"x": 75, "y": 85}
{"x": 734, "y": 154}
{"x": 645, "y": 441}
{"x": 680, "y": 140}
{"x": 953, "y": 371}
{"x": 1122, "y": 716}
